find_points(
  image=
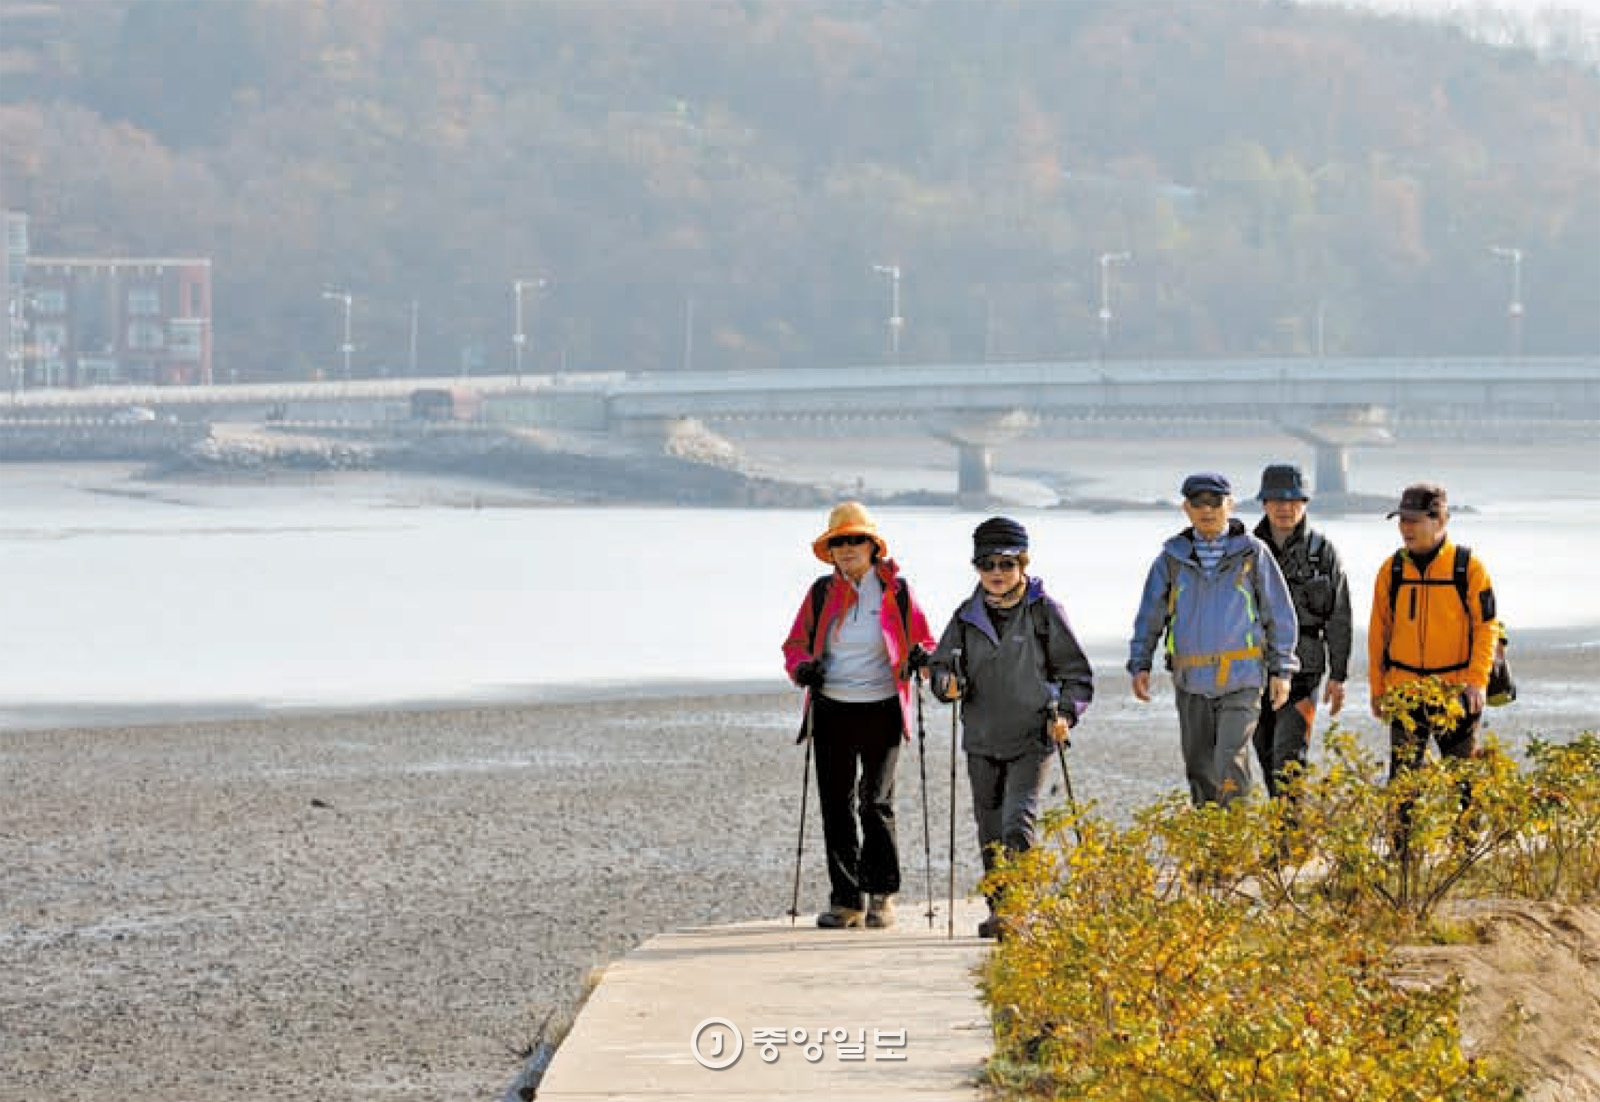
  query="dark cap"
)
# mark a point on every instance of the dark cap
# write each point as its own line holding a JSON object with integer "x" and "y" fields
{"x": 1283, "y": 482}
{"x": 1206, "y": 482}
{"x": 999, "y": 536}
{"x": 1420, "y": 499}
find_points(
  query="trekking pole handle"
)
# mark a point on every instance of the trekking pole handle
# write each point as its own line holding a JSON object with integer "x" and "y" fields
{"x": 1055, "y": 717}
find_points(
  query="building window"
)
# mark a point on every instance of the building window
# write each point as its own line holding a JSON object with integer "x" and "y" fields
{"x": 49, "y": 300}
{"x": 97, "y": 370}
{"x": 144, "y": 301}
{"x": 185, "y": 335}
{"x": 145, "y": 334}
{"x": 49, "y": 339}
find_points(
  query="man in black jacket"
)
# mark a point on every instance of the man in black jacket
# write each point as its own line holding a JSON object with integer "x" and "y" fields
{"x": 1322, "y": 605}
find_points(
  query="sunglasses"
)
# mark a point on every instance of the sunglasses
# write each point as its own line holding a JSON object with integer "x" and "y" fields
{"x": 991, "y": 563}
{"x": 848, "y": 541}
{"x": 1206, "y": 501}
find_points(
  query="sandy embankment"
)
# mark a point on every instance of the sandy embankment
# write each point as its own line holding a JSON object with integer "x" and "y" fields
{"x": 387, "y": 904}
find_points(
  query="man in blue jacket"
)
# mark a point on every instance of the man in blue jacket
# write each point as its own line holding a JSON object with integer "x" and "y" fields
{"x": 1218, "y": 594}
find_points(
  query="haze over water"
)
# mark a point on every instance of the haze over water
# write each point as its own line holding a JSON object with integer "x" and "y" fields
{"x": 123, "y": 597}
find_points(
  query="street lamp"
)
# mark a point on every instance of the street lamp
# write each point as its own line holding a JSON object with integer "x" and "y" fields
{"x": 347, "y": 298}
{"x": 1514, "y": 307}
{"x": 519, "y": 338}
{"x": 1106, "y": 260}
{"x": 895, "y": 320}
{"x": 16, "y": 333}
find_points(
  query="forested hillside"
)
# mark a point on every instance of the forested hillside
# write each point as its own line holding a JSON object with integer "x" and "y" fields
{"x": 731, "y": 171}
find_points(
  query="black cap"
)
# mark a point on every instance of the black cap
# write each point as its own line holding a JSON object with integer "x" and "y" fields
{"x": 1283, "y": 482}
{"x": 999, "y": 536}
{"x": 1206, "y": 482}
{"x": 1420, "y": 499}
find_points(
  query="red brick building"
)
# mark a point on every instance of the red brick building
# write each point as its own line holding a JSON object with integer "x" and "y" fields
{"x": 117, "y": 320}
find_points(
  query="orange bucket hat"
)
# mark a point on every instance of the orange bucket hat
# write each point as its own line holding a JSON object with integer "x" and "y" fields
{"x": 849, "y": 519}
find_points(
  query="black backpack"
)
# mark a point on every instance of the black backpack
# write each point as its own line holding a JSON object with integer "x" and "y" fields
{"x": 819, "y": 597}
{"x": 1502, "y": 687}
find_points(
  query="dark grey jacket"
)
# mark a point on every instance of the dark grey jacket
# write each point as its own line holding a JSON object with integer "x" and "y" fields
{"x": 1321, "y": 598}
{"x": 1012, "y": 682}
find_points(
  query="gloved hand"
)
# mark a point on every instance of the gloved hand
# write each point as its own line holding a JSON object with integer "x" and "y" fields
{"x": 917, "y": 659}
{"x": 947, "y": 686}
{"x": 808, "y": 674}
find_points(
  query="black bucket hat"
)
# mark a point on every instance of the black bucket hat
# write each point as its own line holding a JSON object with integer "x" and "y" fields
{"x": 1283, "y": 482}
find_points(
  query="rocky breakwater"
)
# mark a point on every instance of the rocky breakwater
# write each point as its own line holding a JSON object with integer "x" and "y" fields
{"x": 244, "y": 450}
{"x": 687, "y": 466}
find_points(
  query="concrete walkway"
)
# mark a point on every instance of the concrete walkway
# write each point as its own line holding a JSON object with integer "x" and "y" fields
{"x": 899, "y": 1007}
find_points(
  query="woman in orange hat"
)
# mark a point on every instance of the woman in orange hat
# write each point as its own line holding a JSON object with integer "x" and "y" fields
{"x": 855, "y": 645}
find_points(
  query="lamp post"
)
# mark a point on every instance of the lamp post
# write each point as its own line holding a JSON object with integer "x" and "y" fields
{"x": 1514, "y": 307}
{"x": 16, "y": 333}
{"x": 688, "y": 333}
{"x": 411, "y": 357}
{"x": 1106, "y": 260}
{"x": 346, "y": 348}
{"x": 519, "y": 338}
{"x": 895, "y": 320}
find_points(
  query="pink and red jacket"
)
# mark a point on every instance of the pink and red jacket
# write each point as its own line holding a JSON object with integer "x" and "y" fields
{"x": 809, "y": 640}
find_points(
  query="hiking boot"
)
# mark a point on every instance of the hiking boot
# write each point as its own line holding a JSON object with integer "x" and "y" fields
{"x": 880, "y": 913}
{"x": 841, "y": 918}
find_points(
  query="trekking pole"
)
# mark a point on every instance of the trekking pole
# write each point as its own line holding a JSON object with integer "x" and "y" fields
{"x": 805, "y": 797}
{"x": 1066, "y": 774}
{"x": 927, "y": 833}
{"x": 955, "y": 710}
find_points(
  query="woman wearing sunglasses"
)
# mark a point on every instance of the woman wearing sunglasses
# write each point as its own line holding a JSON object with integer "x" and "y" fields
{"x": 855, "y": 645}
{"x": 1010, "y": 657}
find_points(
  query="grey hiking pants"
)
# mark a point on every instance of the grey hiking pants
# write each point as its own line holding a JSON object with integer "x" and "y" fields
{"x": 1006, "y": 793}
{"x": 1216, "y": 732}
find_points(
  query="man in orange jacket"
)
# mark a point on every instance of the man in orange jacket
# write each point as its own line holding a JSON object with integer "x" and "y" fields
{"x": 1426, "y": 627}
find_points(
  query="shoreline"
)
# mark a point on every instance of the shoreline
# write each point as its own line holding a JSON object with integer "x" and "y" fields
{"x": 1536, "y": 645}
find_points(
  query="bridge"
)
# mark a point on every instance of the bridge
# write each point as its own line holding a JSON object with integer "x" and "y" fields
{"x": 1330, "y": 403}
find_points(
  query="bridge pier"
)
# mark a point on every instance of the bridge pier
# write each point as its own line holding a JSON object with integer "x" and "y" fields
{"x": 1332, "y": 431}
{"x": 1332, "y": 468}
{"x": 974, "y": 464}
{"x": 974, "y": 437}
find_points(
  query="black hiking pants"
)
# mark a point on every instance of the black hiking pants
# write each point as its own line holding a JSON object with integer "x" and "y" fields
{"x": 1283, "y": 735}
{"x": 857, "y": 748}
{"x": 1409, "y": 750}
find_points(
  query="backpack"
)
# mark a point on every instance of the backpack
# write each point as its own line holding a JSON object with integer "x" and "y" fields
{"x": 819, "y": 597}
{"x": 1502, "y": 688}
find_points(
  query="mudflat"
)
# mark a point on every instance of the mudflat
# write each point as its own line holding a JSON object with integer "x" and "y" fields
{"x": 391, "y": 903}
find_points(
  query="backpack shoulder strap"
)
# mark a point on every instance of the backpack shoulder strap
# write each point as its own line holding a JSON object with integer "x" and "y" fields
{"x": 819, "y": 597}
{"x": 1458, "y": 575}
{"x": 1315, "y": 542}
{"x": 1397, "y": 568}
{"x": 902, "y": 600}
{"x": 1039, "y": 613}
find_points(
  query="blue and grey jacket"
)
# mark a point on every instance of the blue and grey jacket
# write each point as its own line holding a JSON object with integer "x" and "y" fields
{"x": 1013, "y": 681}
{"x": 1225, "y": 631}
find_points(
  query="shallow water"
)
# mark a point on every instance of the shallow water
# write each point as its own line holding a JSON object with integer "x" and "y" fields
{"x": 129, "y": 601}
